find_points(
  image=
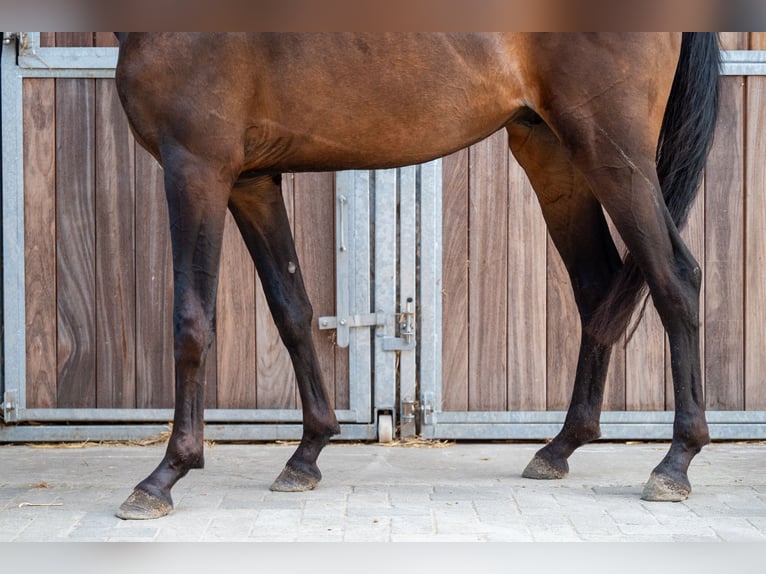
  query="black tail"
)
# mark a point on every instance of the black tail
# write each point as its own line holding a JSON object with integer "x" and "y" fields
{"x": 683, "y": 146}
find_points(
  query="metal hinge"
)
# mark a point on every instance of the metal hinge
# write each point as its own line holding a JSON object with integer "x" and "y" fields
{"x": 10, "y": 406}
{"x": 427, "y": 414}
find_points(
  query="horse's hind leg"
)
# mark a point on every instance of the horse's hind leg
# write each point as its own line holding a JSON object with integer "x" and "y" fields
{"x": 258, "y": 208}
{"x": 577, "y": 226}
{"x": 197, "y": 197}
{"x": 616, "y": 155}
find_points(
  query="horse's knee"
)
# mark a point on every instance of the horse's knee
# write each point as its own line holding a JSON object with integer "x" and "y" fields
{"x": 294, "y": 322}
{"x": 192, "y": 338}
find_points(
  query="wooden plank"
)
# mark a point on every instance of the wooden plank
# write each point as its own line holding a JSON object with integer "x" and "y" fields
{"x": 724, "y": 273}
{"x": 115, "y": 252}
{"x": 314, "y": 225}
{"x": 235, "y": 327}
{"x": 488, "y": 302}
{"x": 74, "y": 39}
{"x": 563, "y": 333}
{"x": 755, "y": 243}
{"x": 734, "y": 40}
{"x": 47, "y": 39}
{"x": 758, "y": 40}
{"x": 455, "y": 261}
{"x": 40, "y": 241}
{"x": 645, "y": 364}
{"x": 154, "y": 288}
{"x": 105, "y": 40}
{"x": 276, "y": 377}
{"x": 527, "y": 246}
{"x": 75, "y": 240}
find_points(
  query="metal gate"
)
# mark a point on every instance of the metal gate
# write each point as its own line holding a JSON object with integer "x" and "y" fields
{"x": 375, "y": 304}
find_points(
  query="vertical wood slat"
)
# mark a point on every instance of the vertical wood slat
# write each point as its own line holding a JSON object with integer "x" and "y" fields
{"x": 40, "y": 241}
{"x": 488, "y": 221}
{"x": 75, "y": 232}
{"x": 314, "y": 212}
{"x": 527, "y": 245}
{"x": 275, "y": 378}
{"x": 724, "y": 341}
{"x": 74, "y": 39}
{"x": 235, "y": 323}
{"x": 755, "y": 242}
{"x": 115, "y": 252}
{"x": 563, "y": 333}
{"x": 645, "y": 364}
{"x": 154, "y": 288}
{"x": 455, "y": 261}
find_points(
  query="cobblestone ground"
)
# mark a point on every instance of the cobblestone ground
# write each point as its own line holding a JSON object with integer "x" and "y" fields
{"x": 374, "y": 493}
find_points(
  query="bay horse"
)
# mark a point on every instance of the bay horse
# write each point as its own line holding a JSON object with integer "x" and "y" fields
{"x": 621, "y": 122}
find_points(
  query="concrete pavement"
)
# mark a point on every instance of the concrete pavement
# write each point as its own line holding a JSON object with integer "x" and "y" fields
{"x": 375, "y": 493}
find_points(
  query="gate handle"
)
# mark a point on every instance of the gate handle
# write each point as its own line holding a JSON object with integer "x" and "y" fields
{"x": 342, "y": 201}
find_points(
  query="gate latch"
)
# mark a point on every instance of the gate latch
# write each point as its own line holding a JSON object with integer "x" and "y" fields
{"x": 406, "y": 339}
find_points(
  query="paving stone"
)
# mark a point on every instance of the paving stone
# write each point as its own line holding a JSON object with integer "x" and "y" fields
{"x": 465, "y": 492}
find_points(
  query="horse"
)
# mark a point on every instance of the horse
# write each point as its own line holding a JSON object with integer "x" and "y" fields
{"x": 602, "y": 123}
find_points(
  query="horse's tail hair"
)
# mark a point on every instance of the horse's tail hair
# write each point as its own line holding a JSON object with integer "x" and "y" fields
{"x": 684, "y": 142}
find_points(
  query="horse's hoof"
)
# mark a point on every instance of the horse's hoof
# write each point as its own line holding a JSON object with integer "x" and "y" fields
{"x": 540, "y": 468}
{"x": 662, "y": 488}
{"x": 143, "y": 506}
{"x": 293, "y": 480}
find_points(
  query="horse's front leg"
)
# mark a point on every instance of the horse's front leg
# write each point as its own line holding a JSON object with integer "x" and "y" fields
{"x": 258, "y": 209}
{"x": 197, "y": 198}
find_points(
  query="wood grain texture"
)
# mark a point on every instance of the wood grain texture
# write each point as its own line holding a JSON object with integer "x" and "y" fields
{"x": 115, "y": 253}
{"x": 40, "y": 241}
{"x": 734, "y": 40}
{"x": 755, "y": 243}
{"x": 74, "y": 39}
{"x": 488, "y": 302}
{"x": 455, "y": 261}
{"x": 758, "y": 40}
{"x": 276, "y": 378}
{"x": 235, "y": 323}
{"x": 154, "y": 288}
{"x": 105, "y": 39}
{"x": 75, "y": 239}
{"x": 527, "y": 246}
{"x": 645, "y": 365}
{"x": 563, "y": 333}
{"x": 724, "y": 272}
